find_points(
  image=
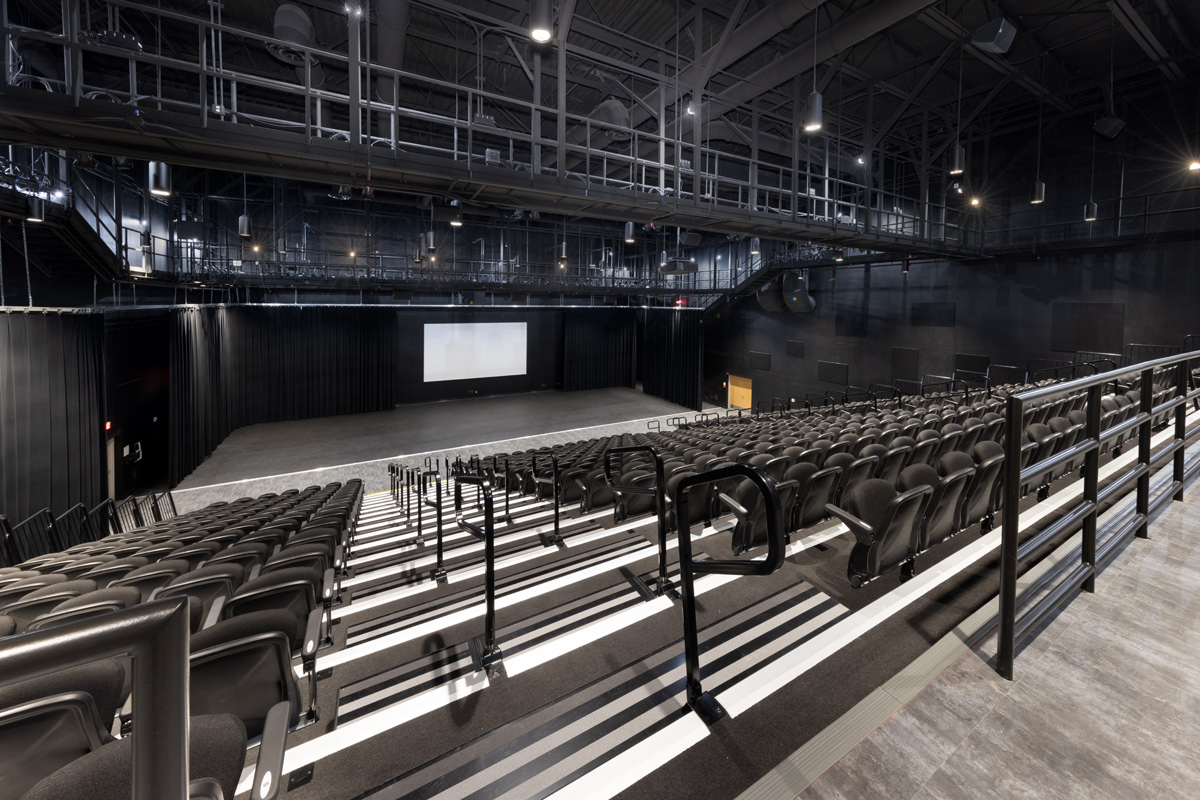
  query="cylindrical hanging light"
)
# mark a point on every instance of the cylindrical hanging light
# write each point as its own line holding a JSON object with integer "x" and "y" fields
{"x": 540, "y": 22}
{"x": 456, "y": 220}
{"x": 959, "y": 163}
{"x": 564, "y": 250}
{"x": 244, "y": 225}
{"x": 812, "y": 113}
{"x": 1089, "y": 212}
{"x": 160, "y": 179}
{"x": 1039, "y": 193}
{"x": 754, "y": 246}
{"x": 629, "y": 233}
{"x": 35, "y": 209}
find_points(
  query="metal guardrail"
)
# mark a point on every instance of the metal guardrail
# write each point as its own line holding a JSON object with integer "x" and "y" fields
{"x": 489, "y": 651}
{"x": 660, "y": 505}
{"x": 555, "y": 494}
{"x": 156, "y": 635}
{"x": 704, "y": 703}
{"x": 1014, "y": 553}
{"x": 439, "y": 570}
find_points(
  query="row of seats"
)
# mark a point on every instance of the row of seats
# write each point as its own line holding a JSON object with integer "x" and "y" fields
{"x": 260, "y": 576}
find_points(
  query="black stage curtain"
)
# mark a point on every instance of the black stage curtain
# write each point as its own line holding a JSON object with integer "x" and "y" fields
{"x": 598, "y": 348}
{"x": 672, "y": 353}
{"x": 51, "y": 411}
{"x": 244, "y": 365}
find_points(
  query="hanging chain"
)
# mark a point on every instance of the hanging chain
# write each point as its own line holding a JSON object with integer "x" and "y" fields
{"x": 25, "y": 246}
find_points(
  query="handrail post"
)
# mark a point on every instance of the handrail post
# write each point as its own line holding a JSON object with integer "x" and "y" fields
{"x": 704, "y": 703}
{"x": 1091, "y": 484}
{"x": 663, "y": 585}
{"x": 1144, "y": 435}
{"x": 439, "y": 571}
{"x": 556, "y": 539}
{"x": 1181, "y": 387}
{"x": 489, "y": 657}
{"x": 1009, "y": 533}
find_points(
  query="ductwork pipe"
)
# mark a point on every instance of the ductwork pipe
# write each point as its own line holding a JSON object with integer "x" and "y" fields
{"x": 391, "y": 29}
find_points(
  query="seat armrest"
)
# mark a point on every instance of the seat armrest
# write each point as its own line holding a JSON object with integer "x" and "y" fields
{"x": 328, "y": 586}
{"x": 255, "y": 571}
{"x": 214, "y": 612}
{"x": 339, "y": 556}
{"x": 737, "y": 508}
{"x": 312, "y": 638}
{"x": 205, "y": 789}
{"x": 861, "y": 530}
{"x": 268, "y": 771}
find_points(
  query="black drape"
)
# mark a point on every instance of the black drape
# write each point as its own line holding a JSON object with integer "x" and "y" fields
{"x": 51, "y": 411}
{"x": 248, "y": 364}
{"x": 672, "y": 353}
{"x": 598, "y": 348}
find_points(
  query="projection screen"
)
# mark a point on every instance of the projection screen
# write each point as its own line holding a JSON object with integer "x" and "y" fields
{"x": 462, "y": 351}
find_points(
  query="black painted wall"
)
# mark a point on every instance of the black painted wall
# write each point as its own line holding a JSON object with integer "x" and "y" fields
{"x": 1006, "y": 310}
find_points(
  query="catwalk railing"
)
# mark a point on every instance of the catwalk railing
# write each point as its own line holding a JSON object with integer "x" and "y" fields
{"x": 1171, "y": 372}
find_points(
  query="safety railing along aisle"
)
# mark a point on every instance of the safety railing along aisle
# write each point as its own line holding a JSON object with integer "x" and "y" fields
{"x": 1016, "y": 623}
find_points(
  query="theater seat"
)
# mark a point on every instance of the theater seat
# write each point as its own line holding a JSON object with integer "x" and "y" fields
{"x": 216, "y": 751}
{"x": 883, "y": 522}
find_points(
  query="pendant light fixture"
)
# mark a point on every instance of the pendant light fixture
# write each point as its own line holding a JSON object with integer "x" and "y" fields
{"x": 629, "y": 233}
{"x": 160, "y": 179}
{"x": 813, "y": 116}
{"x": 755, "y": 247}
{"x": 540, "y": 22}
{"x": 1039, "y": 187}
{"x": 244, "y": 219}
{"x": 35, "y": 209}
{"x": 958, "y": 164}
{"x": 1090, "y": 208}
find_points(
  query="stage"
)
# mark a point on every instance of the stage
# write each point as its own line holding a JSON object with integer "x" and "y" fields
{"x": 278, "y": 455}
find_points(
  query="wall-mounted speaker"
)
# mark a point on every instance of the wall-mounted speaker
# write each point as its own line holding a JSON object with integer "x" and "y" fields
{"x": 770, "y": 298}
{"x": 795, "y": 293}
{"x": 995, "y": 37}
{"x": 1109, "y": 127}
{"x": 690, "y": 238}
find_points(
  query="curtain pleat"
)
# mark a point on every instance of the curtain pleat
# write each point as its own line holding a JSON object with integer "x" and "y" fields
{"x": 598, "y": 348}
{"x": 672, "y": 356}
{"x": 51, "y": 426}
{"x": 244, "y": 365}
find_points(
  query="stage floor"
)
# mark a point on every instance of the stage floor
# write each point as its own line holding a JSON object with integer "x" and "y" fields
{"x": 251, "y": 456}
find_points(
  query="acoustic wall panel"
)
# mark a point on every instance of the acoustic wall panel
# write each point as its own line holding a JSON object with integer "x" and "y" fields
{"x": 1097, "y": 327}
{"x": 971, "y": 362}
{"x": 760, "y": 361}
{"x": 833, "y": 372}
{"x": 906, "y": 363}
{"x": 933, "y": 315}
{"x": 795, "y": 349}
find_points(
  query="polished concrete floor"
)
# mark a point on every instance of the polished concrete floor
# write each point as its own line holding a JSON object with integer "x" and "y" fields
{"x": 1104, "y": 704}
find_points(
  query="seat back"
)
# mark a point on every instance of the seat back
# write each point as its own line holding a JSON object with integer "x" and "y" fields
{"x": 242, "y": 666}
{"x": 943, "y": 513}
{"x": 980, "y": 496}
{"x": 811, "y": 499}
{"x": 896, "y": 534}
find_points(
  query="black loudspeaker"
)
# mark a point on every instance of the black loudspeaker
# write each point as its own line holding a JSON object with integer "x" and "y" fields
{"x": 995, "y": 37}
{"x": 690, "y": 238}
{"x": 796, "y": 295}
{"x": 770, "y": 298}
{"x": 1109, "y": 127}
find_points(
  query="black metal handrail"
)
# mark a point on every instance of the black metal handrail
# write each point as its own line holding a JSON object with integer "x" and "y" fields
{"x": 507, "y": 473}
{"x": 556, "y": 539}
{"x": 74, "y": 526}
{"x": 1083, "y": 514}
{"x": 704, "y": 703}
{"x": 439, "y": 571}
{"x": 104, "y": 519}
{"x": 660, "y": 504}
{"x": 943, "y": 380}
{"x": 127, "y": 515}
{"x": 1137, "y": 353}
{"x": 906, "y": 388}
{"x": 9, "y": 555}
{"x": 155, "y": 634}
{"x": 489, "y": 657}
{"x": 35, "y": 535}
{"x": 1057, "y": 373}
{"x": 861, "y": 395}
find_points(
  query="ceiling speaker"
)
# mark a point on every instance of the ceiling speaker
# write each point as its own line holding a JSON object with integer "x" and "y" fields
{"x": 770, "y": 298}
{"x": 995, "y": 37}
{"x": 690, "y": 238}
{"x": 1109, "y": 127}
{"x": 796, "y": 295}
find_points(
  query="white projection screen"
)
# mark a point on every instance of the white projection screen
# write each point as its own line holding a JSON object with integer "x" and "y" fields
{"x": 462, "y": 351}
